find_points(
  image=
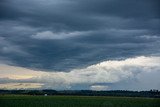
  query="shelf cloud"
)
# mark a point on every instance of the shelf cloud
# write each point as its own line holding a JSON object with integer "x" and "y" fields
{"x": 138, "y": 70}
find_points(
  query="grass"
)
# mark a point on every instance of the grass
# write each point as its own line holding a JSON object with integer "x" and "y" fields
{"x": 75, "y": 101}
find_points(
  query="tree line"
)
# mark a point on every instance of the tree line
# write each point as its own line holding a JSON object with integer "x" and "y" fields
{"x": 122, "y": 93}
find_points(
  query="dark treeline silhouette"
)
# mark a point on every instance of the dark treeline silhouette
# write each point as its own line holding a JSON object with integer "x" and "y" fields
{"x": 122, "y": 93}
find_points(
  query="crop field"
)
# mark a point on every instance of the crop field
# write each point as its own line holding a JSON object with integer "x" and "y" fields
{"x": 75, "y": 101}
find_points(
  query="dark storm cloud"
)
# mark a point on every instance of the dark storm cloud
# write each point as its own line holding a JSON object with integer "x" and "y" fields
{"x": 124, "y": 8}
{"x": 81, "y": 15}
{"x": 117, "y": 29}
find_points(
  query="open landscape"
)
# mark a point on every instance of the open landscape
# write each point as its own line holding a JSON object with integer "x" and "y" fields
{"x": 76, "y": 101}
{"x": 79, "y": 53}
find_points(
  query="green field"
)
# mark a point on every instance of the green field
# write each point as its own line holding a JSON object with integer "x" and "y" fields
{"x": 75, "y": 101}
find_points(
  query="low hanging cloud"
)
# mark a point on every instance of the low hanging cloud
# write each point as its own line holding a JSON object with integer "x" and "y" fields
{"x": 141, "y": 69}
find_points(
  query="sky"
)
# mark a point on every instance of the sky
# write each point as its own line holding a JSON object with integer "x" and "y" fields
{"x": 80, "y": 44}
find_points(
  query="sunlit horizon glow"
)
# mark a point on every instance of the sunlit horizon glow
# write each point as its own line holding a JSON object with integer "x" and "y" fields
{"x": 20, "y": 86}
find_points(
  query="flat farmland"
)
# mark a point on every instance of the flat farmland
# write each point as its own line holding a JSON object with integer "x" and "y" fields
{"x": 76, "y": 101}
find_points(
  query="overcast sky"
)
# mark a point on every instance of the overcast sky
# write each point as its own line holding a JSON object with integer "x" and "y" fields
{"x": 80, "y": 44}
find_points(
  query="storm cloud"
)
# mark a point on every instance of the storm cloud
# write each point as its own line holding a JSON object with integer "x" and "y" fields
{"x": 63, "y": 35}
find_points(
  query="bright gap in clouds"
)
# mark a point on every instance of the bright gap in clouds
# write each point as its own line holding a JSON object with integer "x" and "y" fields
{"x": 139, "y": 73}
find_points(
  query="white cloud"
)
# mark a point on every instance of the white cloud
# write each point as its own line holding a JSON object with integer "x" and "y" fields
{"x": 99, "y": 87}
{"x": 104, "y": 72}
{"x": 61, "y": 35}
